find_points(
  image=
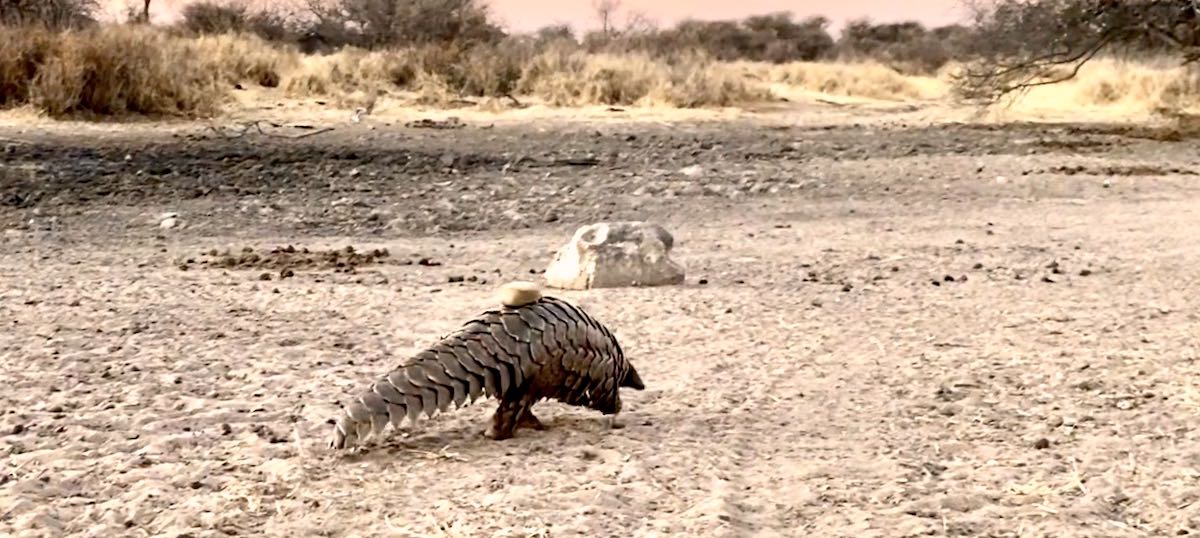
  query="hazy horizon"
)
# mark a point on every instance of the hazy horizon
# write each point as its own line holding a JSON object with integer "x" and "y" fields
{"x": 527, "y": 15}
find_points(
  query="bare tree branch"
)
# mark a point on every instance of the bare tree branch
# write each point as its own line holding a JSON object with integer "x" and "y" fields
{"x": 1022, "y": 44}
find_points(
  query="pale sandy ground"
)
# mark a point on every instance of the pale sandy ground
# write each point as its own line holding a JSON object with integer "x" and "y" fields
{"x": 819, "y": 383}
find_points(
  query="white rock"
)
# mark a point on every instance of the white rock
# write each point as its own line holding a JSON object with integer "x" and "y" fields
{"x": 615, "y": 254}
{"x": 168, "y": 223}
{"x": 692, "y": 171}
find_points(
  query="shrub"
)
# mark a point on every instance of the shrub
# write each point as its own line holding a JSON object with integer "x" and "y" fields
{"x": 53, "y": 14}
{"x": 108, "y": 71}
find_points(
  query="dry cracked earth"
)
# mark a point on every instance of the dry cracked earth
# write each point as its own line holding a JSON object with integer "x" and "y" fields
{"x": 887, "y": 329}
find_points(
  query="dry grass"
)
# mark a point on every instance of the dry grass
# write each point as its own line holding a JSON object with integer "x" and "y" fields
{"x": 108, "y": 72}
{"x": 574, "y": 78}
{"x": 242, "y": 58}
{"x": 1119, "y": 88}
{"x": 120, "y": 70}
{"x": 859, "y": 79}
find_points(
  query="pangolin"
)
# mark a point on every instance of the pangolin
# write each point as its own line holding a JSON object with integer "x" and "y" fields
{"x": 532, "y": 347}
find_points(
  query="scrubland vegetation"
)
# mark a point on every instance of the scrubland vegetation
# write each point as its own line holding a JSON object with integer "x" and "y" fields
{"x": 61, "y": 61}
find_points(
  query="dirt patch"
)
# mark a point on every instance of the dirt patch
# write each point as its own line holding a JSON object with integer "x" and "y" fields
{"x": 1081, "y": 144}
{"x": 1121, "y": 170}
{"x": 1186, "y": 129}
{"x": 884, "y": 331}
{"x": 286, "y": 260}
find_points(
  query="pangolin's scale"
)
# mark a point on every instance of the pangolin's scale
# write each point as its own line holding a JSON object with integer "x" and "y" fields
{"x": 547, "y": 348}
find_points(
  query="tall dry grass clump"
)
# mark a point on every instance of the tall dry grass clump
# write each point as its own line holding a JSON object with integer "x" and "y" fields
{"x": 1123, "y": 87}
{"x": 564, "y": 77}
{"x": 108, "y": 71}
{"x": 853, "y": 79}
{"x": 557, "y": 76}
{"x": 241, "y": 57}
{"x": 439, "y": 75}
{"x": 24, "y": 52}
{"x": 346, "y": 71}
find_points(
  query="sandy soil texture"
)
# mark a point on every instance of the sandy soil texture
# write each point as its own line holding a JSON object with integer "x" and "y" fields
{"x": 889, "y": 328}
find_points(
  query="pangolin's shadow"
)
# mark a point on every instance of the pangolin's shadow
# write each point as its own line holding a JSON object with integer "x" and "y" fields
{"x": 467, "y": 440}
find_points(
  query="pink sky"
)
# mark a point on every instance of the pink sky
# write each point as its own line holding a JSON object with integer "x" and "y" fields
{"x": 531, "y": 14}
{"x": 523, "y": 15}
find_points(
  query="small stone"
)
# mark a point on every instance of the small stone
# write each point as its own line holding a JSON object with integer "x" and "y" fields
{"x": 168, "y": 223}
{"x": 1085, "y": 272}
{"x": 455, "y": 278}
{"x": 18, "y": 429}
{"x": 948, "y": 278}
{"x": 1041, "y": 444}
{"x": 264, "y": 276}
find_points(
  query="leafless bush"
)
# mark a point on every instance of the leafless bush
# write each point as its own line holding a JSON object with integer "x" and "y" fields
{"x": 554, "y": 33}
{"x": 53, "y": 14}
{"x": 234, "y": 16}
{"x": 214, "y": 17}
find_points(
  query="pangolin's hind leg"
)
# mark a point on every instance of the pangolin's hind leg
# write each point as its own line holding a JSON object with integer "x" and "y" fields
{"x": 511, "y": 414}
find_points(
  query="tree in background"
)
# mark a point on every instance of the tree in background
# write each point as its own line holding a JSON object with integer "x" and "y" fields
{"x": 606, "y": 11}
{"x": 907, "y": 47}
{"x": 1021, "y": 44}
{"x": 773, "y": 37}
{"x": 382, "y": 23}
